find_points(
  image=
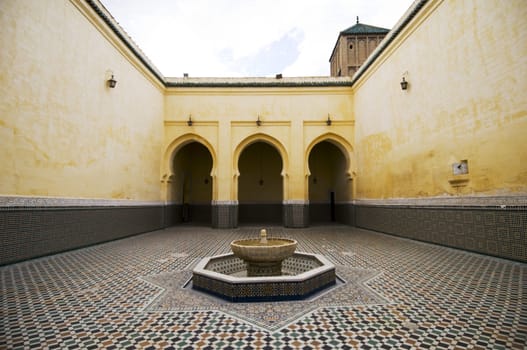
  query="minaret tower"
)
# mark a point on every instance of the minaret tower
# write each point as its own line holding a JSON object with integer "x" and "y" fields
{"x": 353, "y": 46}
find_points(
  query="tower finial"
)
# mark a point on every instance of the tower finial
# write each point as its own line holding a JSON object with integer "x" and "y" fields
{"x": 357, "y": 19}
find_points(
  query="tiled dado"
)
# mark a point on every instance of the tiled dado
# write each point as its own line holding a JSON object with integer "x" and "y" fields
{"x": 33, "y": 227}
{"x": 296, "y": 214}
{"x": 40, "y": 202}
{"x": 498, "y": 230}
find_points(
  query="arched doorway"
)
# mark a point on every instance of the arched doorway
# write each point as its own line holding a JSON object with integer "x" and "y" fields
{"x": 260, "y": 185}
{"x": 192, "y": 183}
{"x": 329, "y": 183}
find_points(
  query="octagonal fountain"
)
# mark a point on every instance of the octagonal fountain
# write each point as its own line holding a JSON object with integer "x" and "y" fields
{"x": 263, "y": 270}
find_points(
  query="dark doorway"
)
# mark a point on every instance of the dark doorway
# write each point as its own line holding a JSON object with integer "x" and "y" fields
{"x": 260, "y": 184}
{"x": 332, "y": 206}
{"x": 192, "y": 185}
{"x": 328, "y": 183}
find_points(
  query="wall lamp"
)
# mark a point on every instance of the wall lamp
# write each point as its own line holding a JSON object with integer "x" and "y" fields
{"x": 404, "y": 84}
{"x": 328, "y": 121}
{"x": 112, "y": 82}
{"x": 189, "y": 121}
{"x": 258, "y": 121}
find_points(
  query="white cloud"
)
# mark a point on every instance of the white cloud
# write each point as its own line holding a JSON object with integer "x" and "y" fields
{"x": 246, "y": 37}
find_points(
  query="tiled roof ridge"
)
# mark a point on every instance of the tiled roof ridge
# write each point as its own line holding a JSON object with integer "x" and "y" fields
{"x": 361, "y": 28}
{"x": 258, "y": 81}
{"x": 125, "y": 38}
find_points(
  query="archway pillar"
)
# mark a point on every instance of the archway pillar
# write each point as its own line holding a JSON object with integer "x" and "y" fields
{"x": 224, "y": 214}
{"x": 296, "y": 195}
{"x": 296, "y": 213}
{"x": 224, "y": 205}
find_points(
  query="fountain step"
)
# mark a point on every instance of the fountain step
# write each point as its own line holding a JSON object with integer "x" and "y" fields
{"x": 317, "y": 274}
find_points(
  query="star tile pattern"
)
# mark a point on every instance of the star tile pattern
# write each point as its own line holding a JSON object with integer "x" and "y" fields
{"x": 128, "y": 294}
{"x": 266, "y": 315}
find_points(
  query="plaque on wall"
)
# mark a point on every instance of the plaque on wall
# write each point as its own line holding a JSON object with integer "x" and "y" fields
{"x": 460, "y": 168}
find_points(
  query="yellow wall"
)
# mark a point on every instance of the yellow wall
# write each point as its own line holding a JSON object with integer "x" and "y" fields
{"x": 224, "y": 119}
{"x": 63, "y": 132}
{"x": 466, "y": 64}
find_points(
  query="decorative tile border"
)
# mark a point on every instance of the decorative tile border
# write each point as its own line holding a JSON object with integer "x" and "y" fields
{"x": 30, "y": 232}
{"x": 268, "y": 316}
{"x": 501, "y": 202}
{"x": 493, "y": 231}
{"x": 311, "y": 274}
{"x": 44, "y": 202}
{"x": 295, "y": 214}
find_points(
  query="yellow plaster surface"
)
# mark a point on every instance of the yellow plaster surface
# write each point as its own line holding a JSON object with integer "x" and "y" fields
{"x": 465, "y": 65}
{"x": 63, "y": 131}
{"x": 291, "y": 118}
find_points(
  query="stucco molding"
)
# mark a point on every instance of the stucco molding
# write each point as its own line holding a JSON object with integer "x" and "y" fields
{"x": 195, "y": 123}
{"x": 44, "y": 201}
{"x": 224, "y": 202}
{"x": 167, "y": 172}
{"x": 334, "y": 122}
{"x": 264, "y": 123}
{"x": 455, "y": 201}
{"x": 339, "y": 141}
{"x": 175, "y": 145}
{"x": 295, "y": 202}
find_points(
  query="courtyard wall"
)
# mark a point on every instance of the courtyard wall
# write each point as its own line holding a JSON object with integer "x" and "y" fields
{"x": 465, "y": 64}
{"x": 80, "y": 160}
{"x": 292, "y": 115}
{"x": 83, "y": 163}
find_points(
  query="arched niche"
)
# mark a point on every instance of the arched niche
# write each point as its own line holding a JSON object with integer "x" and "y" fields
{"x": 189, "y": 185}
{"x": 329, "y": 178}
{"x": 260, "y": 137}
{"x": 259, "y": 181}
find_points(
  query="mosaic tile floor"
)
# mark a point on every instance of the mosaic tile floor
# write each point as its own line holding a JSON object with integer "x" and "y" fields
{"x": 128, "y": 294}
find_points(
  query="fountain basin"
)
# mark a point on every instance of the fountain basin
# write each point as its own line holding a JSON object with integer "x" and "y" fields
{"x": 225, "y": 276}
{"x": 264, "y": 258}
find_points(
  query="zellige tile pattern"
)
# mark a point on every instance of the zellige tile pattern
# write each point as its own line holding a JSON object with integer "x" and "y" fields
{"x": 410, "y": 295}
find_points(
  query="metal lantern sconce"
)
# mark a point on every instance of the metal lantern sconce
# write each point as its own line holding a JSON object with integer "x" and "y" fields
{"x": 328, "y": 121}
{"x": 258, "y": 121}
{"x": 189, "y": 121}
{"x": 112, "y": 82}
{"x": 404, "y": 84}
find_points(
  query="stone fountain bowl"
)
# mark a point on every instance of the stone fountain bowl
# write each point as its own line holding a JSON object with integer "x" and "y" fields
{"x": 252, "y": 250}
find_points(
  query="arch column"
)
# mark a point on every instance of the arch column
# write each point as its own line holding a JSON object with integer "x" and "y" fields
{"x": 296, "y": 199}
{"x": 296, "y": 213}
{"x": 225, "y": 205}
{"x": 224, "y": 214}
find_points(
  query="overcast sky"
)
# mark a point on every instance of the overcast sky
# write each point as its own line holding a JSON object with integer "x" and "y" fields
{"x": 246, "y": 38}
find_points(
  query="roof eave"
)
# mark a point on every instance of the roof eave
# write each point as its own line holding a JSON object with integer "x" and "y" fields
{"x": 389, "y": 38}
{"x": 107, "y": 18}
{"x": 259, "y": 82}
